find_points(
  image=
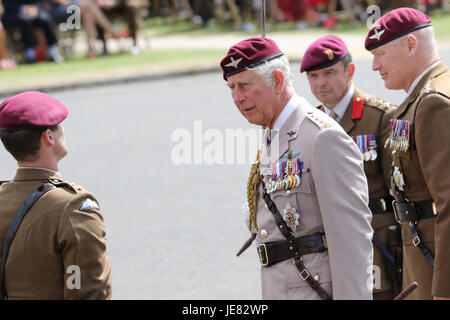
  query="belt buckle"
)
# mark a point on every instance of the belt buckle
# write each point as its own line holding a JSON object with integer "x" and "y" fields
{"x": 263, "y": 249}
{"x": 306, "y": 276}
{"x": 324, "y": 240}
{"x": 383, "y": 204}
{"x": 416, "y": 241}
{"x": 394, "y": 208}
{"x": 433, "y": 206}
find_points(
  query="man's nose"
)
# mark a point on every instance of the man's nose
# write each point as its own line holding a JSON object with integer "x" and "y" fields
{"x": 375, "y": 64}
{"x": 237, "y": 95}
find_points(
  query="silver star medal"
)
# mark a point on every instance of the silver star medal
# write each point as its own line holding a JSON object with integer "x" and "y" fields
{"x": 398, "y": 179}
{"x": 291, "y": 217}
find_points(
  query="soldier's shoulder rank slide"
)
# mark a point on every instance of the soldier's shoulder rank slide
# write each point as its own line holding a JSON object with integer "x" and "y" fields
{"x": 319, "y": 118}
{"x": 377, "y": 103}
{"x": 286, "y": 175}
{"x": 368, "y": 145}
{"x": 400, "y": 135}
{"x": 68, "y": 185}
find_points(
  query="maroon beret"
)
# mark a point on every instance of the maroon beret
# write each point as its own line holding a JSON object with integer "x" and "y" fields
{"x": 31, "y": 109}
{"x": 248, "y": 54}
{"x": 323, "y": 53}
{"x": 395, "y": 24}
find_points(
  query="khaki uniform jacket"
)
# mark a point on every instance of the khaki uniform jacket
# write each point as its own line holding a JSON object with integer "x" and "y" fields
{"x": 63, "y": 230}
{"x": 331, "y": 198}
{"x": 374, "y": 121}
{"x": 425, "y": 169}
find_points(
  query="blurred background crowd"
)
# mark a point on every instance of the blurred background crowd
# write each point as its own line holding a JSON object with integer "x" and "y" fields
{"x": 40, "y": 30}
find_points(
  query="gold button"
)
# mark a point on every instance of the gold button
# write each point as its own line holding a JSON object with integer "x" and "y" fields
{"x": 316, "y": 277}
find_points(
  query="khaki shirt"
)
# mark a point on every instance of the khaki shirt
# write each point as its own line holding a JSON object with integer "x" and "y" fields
{"x": 425, "y": 170}
{"x": 59, "y": 251}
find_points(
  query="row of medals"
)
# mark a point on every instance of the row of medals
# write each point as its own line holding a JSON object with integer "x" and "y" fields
{"x": 288, "y": 175}
{"x": 368, "y": 146}
{"x": 284, "y": 183}
{"x": 399, "y": 141}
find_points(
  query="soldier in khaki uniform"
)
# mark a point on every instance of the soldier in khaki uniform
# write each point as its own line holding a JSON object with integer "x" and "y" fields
{"x": 59, "y": 249}
{"x": 307, "y": 193}
{"x": 329, "y": 68}
{"x": 405, "y": 54}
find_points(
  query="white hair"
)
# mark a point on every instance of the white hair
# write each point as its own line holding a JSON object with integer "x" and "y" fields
{"x": 266, "y": 70}
{"x": 426, "y": 39}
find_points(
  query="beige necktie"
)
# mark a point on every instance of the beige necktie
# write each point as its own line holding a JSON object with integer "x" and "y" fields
{"x": 334, "y": 115}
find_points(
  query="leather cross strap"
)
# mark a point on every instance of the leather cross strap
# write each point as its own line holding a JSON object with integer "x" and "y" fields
{"x": 417, "y": 242}
{"x": 10, "y": 234}
{"x": 298, "y": 260}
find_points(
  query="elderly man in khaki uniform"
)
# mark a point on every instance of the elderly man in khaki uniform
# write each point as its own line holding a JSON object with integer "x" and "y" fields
{"x": 52, "y": 232}
{"x": 307, "y": 193}
{"x": 329, "y": 69}
{"x": 405, "y": 55}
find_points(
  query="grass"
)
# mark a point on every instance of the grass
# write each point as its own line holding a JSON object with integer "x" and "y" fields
{"x": 80, "y": 68}
{"x": 28, "y": 75}
{"x": 165, "y": 27}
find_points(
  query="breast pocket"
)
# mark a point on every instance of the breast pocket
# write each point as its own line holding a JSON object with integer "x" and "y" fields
{"x": 301, "y": 199}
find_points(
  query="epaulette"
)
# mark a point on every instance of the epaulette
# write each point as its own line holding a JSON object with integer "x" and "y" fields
{"x": 319, "y": 118}
{"x": 377, "y": 103}
{"x": 68, "y": 185}
{"x": 429, "y": 88}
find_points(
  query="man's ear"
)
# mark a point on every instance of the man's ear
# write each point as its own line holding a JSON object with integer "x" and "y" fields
{"x": 47, "y": 137}
{"x": 412, "y": 43}
{"x": 278, "y": 80}
{"x": 351, "y": 69}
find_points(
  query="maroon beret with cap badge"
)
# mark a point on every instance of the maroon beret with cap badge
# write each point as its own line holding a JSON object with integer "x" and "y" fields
{"x": 31, "y": 109}
{"x": 248, "y": 54}
{"x": 394, "y": 25}
{"x": 324, "y": 52}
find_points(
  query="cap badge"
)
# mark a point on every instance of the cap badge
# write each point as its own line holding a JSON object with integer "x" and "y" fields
{"x": 377, "y": 35}
{"x": 329, "y": 53}
{"x": 233, "y": 63}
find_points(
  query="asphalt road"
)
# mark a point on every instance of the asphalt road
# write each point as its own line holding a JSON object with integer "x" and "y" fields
{"x": 172, "y": 230}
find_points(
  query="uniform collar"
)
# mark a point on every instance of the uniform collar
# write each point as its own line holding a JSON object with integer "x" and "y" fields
{"x": 287, "y": 111}
{"x": 434, "y": 72}
{"x": 31, "y": 173}
{"x": 342, "y": 105}
{"x": 416, "y": 81}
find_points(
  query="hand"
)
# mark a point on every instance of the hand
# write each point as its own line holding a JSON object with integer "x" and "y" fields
{"x": 30, "y": 10}
{"x": 106, "y": 4}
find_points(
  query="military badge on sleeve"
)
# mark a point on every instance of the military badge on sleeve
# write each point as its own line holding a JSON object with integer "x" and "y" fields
{"x": 89, "y": 204}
